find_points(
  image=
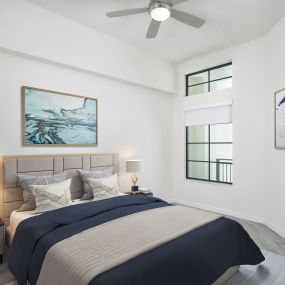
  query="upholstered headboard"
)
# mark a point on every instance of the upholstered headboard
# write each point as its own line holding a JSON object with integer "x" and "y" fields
{"x": 12, "y": 196}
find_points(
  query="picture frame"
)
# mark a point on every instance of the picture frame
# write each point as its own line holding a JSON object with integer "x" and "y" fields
{"x": 52, "y": 118}
{"x": 279, "y": 114}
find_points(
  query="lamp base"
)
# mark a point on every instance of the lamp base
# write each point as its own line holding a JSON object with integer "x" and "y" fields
{"x": 135, "y": 188}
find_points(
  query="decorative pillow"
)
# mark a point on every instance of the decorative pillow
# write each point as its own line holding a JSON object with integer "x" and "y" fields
{"x": 52, "y": 196}
{"x": 26, "y": 180}
{"x": 104, "y": 188}
{"x": 85, "y": 175}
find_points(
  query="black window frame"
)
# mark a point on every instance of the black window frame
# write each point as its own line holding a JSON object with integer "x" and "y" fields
{"x": 209, "y": 81}
{"x": 209, "y": 143}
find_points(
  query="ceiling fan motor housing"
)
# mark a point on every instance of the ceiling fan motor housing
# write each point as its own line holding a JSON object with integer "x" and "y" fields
{"x": 155, "y": 6}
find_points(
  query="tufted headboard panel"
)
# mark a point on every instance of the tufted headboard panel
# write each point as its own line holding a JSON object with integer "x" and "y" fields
{"x": 11, "y": 193}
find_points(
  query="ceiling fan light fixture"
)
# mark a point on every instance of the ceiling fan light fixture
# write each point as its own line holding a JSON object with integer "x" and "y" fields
{"x": 160, "y": 11}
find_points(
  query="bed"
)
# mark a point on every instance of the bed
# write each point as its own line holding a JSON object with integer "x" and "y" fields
{"x": 123, "y": 240}
{"x": 15, "y": 219}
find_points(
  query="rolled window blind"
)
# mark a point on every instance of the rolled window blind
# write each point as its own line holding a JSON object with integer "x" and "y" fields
{"x": 216, "y": 113}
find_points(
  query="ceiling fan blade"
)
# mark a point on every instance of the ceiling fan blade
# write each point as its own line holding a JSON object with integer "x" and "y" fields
{"x": 187, "y": 19}
{"x": 153, "y": 29}
{"x": 176, "y": 2}
{"x": 127, "y": 12}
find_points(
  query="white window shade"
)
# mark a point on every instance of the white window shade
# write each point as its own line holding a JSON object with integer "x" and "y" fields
{"x": 217, "y": 113}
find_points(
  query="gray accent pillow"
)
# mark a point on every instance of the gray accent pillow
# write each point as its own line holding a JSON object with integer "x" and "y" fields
{"x": 85, "y": 175}
{"x": 27, "y": 180}
{"x": 106, "y": 187}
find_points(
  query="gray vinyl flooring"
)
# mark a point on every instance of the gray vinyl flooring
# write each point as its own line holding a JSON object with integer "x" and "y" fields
{"x": 270, "y": 272}
{"x": 264, "y": 237}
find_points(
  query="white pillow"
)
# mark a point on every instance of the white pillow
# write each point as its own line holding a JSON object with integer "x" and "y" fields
{"x": 103, "y": 188}
{"x": 52, "y": 196}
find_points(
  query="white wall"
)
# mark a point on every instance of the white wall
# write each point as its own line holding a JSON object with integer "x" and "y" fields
{"x": 42, "y": 49}
{"x": 246, "y": 196}
{"x": 133, "y": 121}
{"x": 35, "y": 32}
{"x": 143, "y": 122}
{"x": 275, "y": 159}
{"x": 257, "y": 192}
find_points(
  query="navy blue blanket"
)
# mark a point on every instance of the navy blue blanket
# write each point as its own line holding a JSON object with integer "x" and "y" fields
{"x": 198, "y": 257}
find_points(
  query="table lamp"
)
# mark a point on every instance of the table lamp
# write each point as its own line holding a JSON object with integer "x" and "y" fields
{"x": 134, "y": 167}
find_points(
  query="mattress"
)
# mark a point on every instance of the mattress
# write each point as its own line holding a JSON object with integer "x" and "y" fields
{"x": 17, "y": 217}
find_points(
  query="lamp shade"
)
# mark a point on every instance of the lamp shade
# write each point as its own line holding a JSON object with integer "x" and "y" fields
{"x": 134, "y": 166}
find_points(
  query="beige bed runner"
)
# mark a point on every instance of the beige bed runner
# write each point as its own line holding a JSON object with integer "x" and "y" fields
{"x": 82, "y": 257}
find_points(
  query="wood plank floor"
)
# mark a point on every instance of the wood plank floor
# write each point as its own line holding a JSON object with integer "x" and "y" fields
{"x": 264, "y": 237}
{"x": 270, "y": 272}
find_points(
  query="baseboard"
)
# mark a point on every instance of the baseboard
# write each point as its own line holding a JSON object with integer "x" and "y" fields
{"x": 235, "y": 214}
{"x": 275, "y": 228}
{"x": 220, "y": 211}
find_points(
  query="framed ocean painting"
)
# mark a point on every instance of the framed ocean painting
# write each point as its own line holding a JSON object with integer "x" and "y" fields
{"x": 280, "y": 119}
{"x": 58, "y": 119}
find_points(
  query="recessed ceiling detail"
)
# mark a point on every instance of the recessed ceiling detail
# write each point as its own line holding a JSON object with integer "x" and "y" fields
{"x": 229, "y": 22}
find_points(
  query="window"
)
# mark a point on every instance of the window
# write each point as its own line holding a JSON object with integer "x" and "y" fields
{"x": 209, "y": 153}
{"x": 211, "y": 79}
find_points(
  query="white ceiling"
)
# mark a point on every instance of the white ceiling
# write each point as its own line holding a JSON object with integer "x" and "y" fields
{"x": 229, "y": 22}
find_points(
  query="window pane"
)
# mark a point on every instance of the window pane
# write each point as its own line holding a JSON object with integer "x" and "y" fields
{"x": 221, "y": 72}
{"x": 198, "y": 134}
{"x": 198, "y": 170}
{"x": 222, "y": 172}
{"x": 221, "y": 152}
{"x": 221, "y": 133}
{"x": 198, "y": 78}
{"x": 202, "y": 88}
{"x": 221, "y": 84}
{"x": 198, "y": 152}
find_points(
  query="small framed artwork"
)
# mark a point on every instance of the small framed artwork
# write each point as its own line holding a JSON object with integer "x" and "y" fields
{"x": 58, "y": 119}
{"x": 280, "y": 119}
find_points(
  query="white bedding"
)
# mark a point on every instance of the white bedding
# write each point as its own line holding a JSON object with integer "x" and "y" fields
{"x": 17, "y": 217}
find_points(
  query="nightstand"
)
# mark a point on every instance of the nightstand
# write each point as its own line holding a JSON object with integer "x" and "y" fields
{"x": 2, "y": 240}
{"x": 140, "y": 192}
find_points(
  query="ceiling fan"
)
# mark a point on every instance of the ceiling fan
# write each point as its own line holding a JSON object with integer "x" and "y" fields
{"x": 159, "y": 12}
